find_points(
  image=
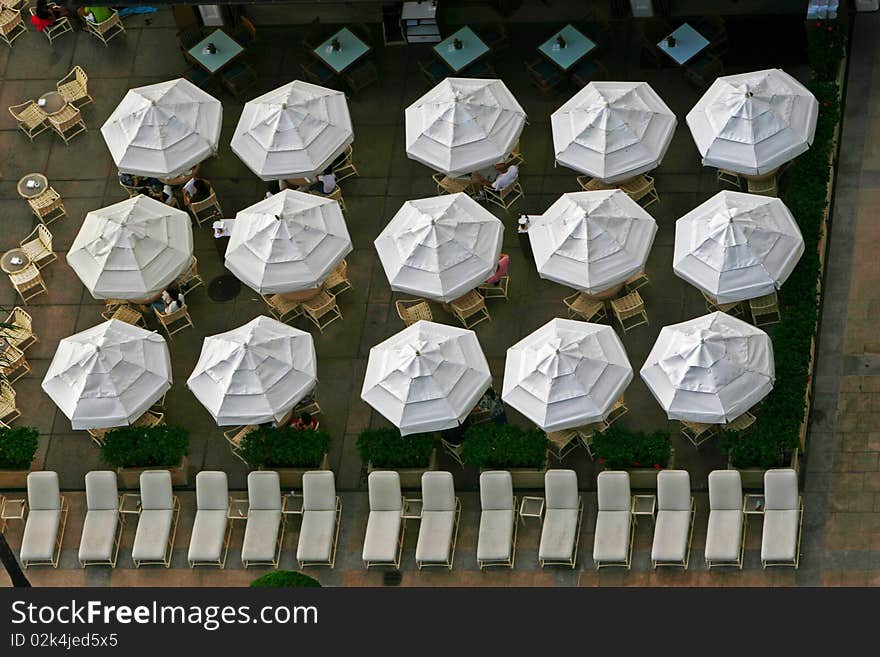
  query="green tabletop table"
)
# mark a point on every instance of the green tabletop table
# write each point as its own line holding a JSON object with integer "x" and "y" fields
{"x": 351, "y": 49}
{"x": 577, "y": 46}
{"x": 228, "y": 49}
{"x": 472, "y": 48}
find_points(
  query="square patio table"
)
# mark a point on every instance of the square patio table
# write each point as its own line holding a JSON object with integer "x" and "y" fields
{"x": 228, "y": 49}
{"x": 577, "y": 46}
{"x": 688, "y": 44}
{"x": 472, "y": 48}
{"x": 351, "y": 49}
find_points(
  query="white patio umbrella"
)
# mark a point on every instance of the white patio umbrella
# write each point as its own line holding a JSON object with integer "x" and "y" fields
{"x": 164, "y": 129}
{"x": 566, "y": 374}
{"x": 463, "y": 125}
{"x": 441, "y": 247}
{"x": 132, "y": 249}
{"x": 612, "y": 130}
{"x": 753, "y": 123}
{"x": 711, "y": 369}
{"x": 293, "y": 131}
{"x": 290, "y": 241}
{"x": 427, "y": 377}
{"x": 737, "y": 246}
{"x": 255, "y": 373}
{"x": 108, "y": 375}
{"x": 592, "y": 241}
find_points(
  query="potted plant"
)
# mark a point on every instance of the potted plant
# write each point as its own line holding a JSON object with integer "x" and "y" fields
{"x": 131, "y": 450}
{"x": 18, "y": 447}
{"x": 411, "y": 456}
{"x": 284, "y": 579}
{"x": 288, "y": 451}
{"x": 641, "y": 455}
{"x": 507, "y": 447}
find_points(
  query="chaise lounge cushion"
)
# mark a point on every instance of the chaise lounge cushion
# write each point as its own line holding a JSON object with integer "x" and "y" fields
{"x": 435, "y": 536}
{"x": 779, "y": 540}
{"x": 496, "y": 535}
{"x": 558, "y": 535}
{"x": 151, "y": 537}
{"x": 381, "y": 540}
{"x": 261, "y": 535}
{"x": 98, "y": 535}
{"x": 724, "y": 535}
{"x": 40, "y": 532}
{"x": 671, "y": 536}
{"x": 611, "y": 542}
{"x": 208, "y": 535}
{"x": 316, "y": 536}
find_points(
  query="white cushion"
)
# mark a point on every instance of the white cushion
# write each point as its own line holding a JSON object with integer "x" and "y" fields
{"x": 98, "y": 534}
{"x": 384, "y": 490}
{"x": 724, "y": 534}
{"x": 779, "y": 539}
{"x": 496, "y": 491}
{"x": 212, "y": 491}
{"x": 156, "y": 490}
{"x": 558, "y": 534}
{"x": 496, "y": 534}
{"x": 435, "y": 536}
{"x": 264, "y": 491}
{"x": 40, "y": 532}
{"x": 438, "y": 491}
{"x": 383, "y": 533}
{"x": 561, "y": 489}
{"x": 671, "y": 535}
{"x": 208, "y": 534}
{"x": 153, "y": 531}
{"x": 673, "y": 490}
{"x": 316, "y": 535}
{"x": 613, "y": 491}
{"x": 319, "y": 491}
{"x": 725, "y": 490}
{"x": 611, "y": 541}
{"x": 261, "y": 533}
{"x": 43, "y": 492}
{"x": 101, "y": 491}
{"x": 780, "y": 490}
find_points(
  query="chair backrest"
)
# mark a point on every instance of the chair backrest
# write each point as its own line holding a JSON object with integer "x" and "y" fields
{"x": 780, "y": 490}
{"x": 102, "y": 493}
{"x": 173, "y": 316}
{"x": 725, "y": 490}
{"x": 496, "y": 491}
{"x": 156, "y": 491}
{"x": 673, "y": 490}
{"x": 7, "y": 392}
{"x": 212, "y": 491}
{"x": 43, "y": 491}
{"x": 209, "y": 202}
{"x": 44, "y": 236}
{"x": 81, "y": 76}
{"x": 384, "y": 487}
{"x": 264, "y": 490}
{"x": 319, "y": 491}
{"x": 561, "y": 489}
{"x": 438, "y": 491}
{"x": 613, "y": 491}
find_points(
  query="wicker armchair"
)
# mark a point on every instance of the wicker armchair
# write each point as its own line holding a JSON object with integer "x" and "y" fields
{"x": 21, "y": 332}
{"x": 47, "y": 206}
{"x": 67, "y": 123}
{"x": 106, "y": 29}
{"x": 413, "y": 310}
{"x": 11, "y": 24}
{"x": 75, "y": 87}
{"x": 28, "y": 283}
{"x": 30, "y": 118}
{"x": 38, "y": 247}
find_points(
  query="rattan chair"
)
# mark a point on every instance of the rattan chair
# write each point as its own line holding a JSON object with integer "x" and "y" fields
{"x": 629, "y": 311}
{"x": 338, "y": 280}
{"x": 636, "y": 282}
{"x": 235, "y": 436}
{"x": 495, "y": 291}
{"x": 346, "y": 169}
{"x": 413, "y": 310}
{"x": 504, "y": 198}
{"x": 618, "y": 410}
{"x": 190, "y": 279}
{"x": 447, "y": 185}
{"x": 581, "y": 306}
{"x": 75, "y": 87}
{"x": 8, "y": 410}
{"x": 514, "y": 157}
{"x": 48, "y": 206}
{"x": 641, "y": 189}
{"x": 11, "y": 25}
{"x": 38, "y": 246}
{"x": 335, "y": 195}
{"x": 470, "y": 309}
{"x": 765, "y": 310}
{"x": 735, "y": 309}
{"x": 13, "y": 364}
{"x": 20, "y": 333}
{"x": 589, "y": 184}
{"x": 239, "y": 78}
{"x": 562, "y": 443}
{"x": 282, "y": 309}
{"x": 764, "y": 186}
{"x": 433, "y": 71}
{"x": 728, "y": 177}
{"x": 126, "y": 313}
{"x": 68, "y": 123}
{"x": 206, "y": 210}
{"x": 317, "y": 73}
{"x": 321, "y": 310}
{"x": 56, "y": 29}
{"x": 175, "y": 321}
{"x": 698, "y": 432}
{"x": 545, "y": 75}
{"x": 741, "y": 423}
{"x": 28, "y": 283}
{"x": 360, "y": 77}
{"x": 30, "y": 118}
{"x": 106, "y": 29}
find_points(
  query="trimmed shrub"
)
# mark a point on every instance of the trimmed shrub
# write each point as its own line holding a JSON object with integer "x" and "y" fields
{"x": 284, "y": 447}
{"x": 504, "y": 446}
{"x": 145, "y": 447}
{"x": 278, "y": 579}
{"x": 17, "y": 447}
{"x": 386, "y": 448}
{"x": 618, "y": 449}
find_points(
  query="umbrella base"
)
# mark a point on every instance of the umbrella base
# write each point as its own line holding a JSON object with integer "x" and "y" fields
{"x": 224, "y": 288}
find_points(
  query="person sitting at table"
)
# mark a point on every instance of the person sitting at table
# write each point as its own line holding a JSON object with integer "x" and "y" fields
{"x": 196, "y": 190}
{"x": 325, "y": 183}
{"x": 500, "y": 270}
{"x": 507, "y": 176}
{"x": 170, "y": 301}
{"x": 45, "y": 14}
{"x": 95, "y": 14}
{"x": 491, "y": 403}
{"x": 304, "y": 422}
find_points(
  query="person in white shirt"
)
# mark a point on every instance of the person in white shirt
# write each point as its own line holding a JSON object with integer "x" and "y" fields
{"x": 507, "y": 176}
{"x": 325, "y": 183}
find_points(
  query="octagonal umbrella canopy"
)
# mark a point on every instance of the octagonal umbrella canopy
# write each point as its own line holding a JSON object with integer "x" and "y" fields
{"x": 737, "y": 246}
{"x": 753, "y": 123}
{"x": 427, "y": 377}
{"x": 164, "y": 129}
{"x": 290, "y": 241}
{"x": 463, "y": 125}
{"x": 108, "y": 375}
{"x": 592, "y": 241}
{"x": 440, "y": 248}
{"x": 255, "y": 373}
{"x": 613, "y": 130}
{"x": 132, "y": 249}
{"x": 711, "y": 369}
{"x": 566, "y": 374}
{"x": 293, "y": 131}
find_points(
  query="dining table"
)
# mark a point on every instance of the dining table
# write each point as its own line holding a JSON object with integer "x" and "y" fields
{"x": 341, "y": 50}
{"x": 574, "y": 47}
{"x": 32, "y": 185}
{"x": 687, "y": 43}
{"x": 52, "y": 102}
{"x": 225, "y": 51}
{"x": 14, "y": 261}
{"x": 461, "y": 49}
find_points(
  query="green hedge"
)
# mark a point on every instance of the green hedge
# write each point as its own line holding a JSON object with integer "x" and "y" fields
{"x": 284, "y": 447}
{"x": 17, "y": 447}
{"x": 504, "y": 446}
{"x": 619, "y": 449}
{"x": 386, "y": 448}
{"x": 284, "y": 579}
{"x": 145, "y": 447}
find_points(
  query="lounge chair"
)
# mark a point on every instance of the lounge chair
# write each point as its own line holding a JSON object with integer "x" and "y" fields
{"x": 157, "y": 520}
{"x": 322, "y": 509}
{"x": 783, "y": 519}
{"x": 383, "y": 542}
{"x": 562, "y": 519}
{"x": 99, "y": 544}
{"x": 612, "y": 543}
{"x": 264, "y": 531}
{"x": 496, "y": 543}
{"x": 47, "y": 517}
{"x": 675, "y": 520}
{"x": 726, "y": 534}
{"x": 209, "y": 542}
{"x": 438, "y": 529}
